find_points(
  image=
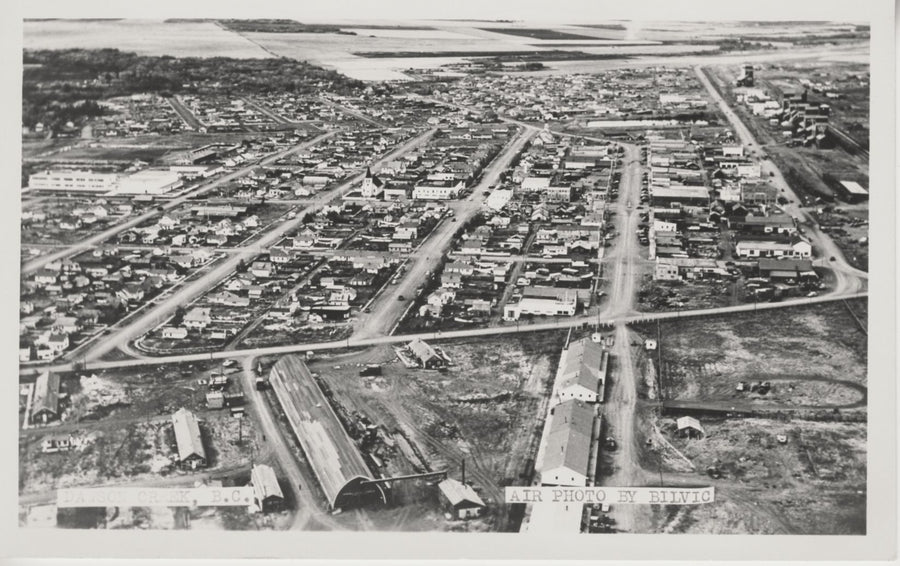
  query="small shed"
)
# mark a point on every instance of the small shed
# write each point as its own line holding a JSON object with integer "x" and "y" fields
{"x": 267, "y": 493}
{"x": 461, "y": 499}
{"x": 215, "y": 400}
{"x": 690, "y": 427}
{"x": 425, "y": 354}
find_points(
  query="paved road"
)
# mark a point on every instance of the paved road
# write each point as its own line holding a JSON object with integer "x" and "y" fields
{"x": 200, "y": 285}
{"x": 93, "y": 241}
{"x": 387, "y": 309}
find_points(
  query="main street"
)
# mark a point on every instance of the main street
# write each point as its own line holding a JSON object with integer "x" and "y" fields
{"x": 619, "y": 403}
{"x": 94, "y": 241}
{"x": 387, "y": 309}
{"x": 200, "y": 285}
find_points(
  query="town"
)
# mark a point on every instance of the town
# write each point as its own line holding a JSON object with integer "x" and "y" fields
{"x": 359, "y": 304}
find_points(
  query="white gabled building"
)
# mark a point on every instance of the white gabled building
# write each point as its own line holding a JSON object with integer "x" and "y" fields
{"x": 567, "y": 452}
{"x": 583, "y": 374}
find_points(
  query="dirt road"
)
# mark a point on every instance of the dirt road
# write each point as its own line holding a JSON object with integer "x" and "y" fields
{"x": 202, "y": 284}
{"x": 93, "y": 241}
{"x": 848, "y": 279}
{"x": 388, "y": 309}
{"x": 619, "y": 405}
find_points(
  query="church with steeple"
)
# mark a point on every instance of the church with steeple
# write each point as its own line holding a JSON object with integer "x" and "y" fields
{"x": 372, "y": 186}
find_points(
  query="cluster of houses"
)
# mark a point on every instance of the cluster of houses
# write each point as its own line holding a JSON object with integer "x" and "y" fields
{"x": 612, "y": 94}
{"x": 134, "y": 115}
{"x": 469, "y": 289}
{"x": 736, "y": 220}
{"x": 71, "y": 298}
{"x": 53, "y": 221}
{"x": 219, "y": 113}
{"x": 441, "y": 170}
{"x": 201, "y": 225}
{"x": 306, "y": 172}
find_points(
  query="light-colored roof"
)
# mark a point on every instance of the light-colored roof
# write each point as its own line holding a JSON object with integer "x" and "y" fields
{"x": 187, "y": 434}
{"x": 689, "y": 422}
{"x": 457, "y": 492}
{"x": 569, "y": 441}
{"x": 46, "y": 393}
{"x": 422, "y": 349}
{"x": 854, "y": 187}
{"x": 333, "y": 456}
{"x": 265, "y": 483}
{"x": 585, "y": 365}
{"x": 685, "y": 191}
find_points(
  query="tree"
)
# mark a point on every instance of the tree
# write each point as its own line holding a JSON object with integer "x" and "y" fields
{"x": 241, "y": 266}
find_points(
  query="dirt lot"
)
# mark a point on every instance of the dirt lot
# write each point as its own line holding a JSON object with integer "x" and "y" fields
{"x": 848, "y": 226}
{"x": 148, "y": 392}
{"x": 660, "y": 296}
{"x": 815, "y": 483}
{"x": 486, "y": 408}
{"x": 812, "y": 355}
{"x": 139, "y": 451}
{"x": 813, "y": 479}
{"x": 120, "y": 421}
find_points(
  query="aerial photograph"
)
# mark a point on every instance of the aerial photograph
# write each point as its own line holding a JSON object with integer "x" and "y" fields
{"x": 290, "y": 274}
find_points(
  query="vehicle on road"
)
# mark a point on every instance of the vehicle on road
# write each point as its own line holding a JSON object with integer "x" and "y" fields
{"x": 401, "y": 298}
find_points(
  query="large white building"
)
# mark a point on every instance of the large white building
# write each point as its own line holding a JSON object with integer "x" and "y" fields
{"x": 498, "y": 199}
{"x": 438, "y": 190}
{"x": 149, "y": 182}
{"x": 567, "y": 453}
{"x": 583, "y": 373}
{"x": 797, "y": 248}
{"x": 557, "y": 302}
{"x": 86, "y": 181}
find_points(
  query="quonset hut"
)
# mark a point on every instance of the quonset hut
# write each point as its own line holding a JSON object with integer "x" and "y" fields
{"x": 335, "y": 460}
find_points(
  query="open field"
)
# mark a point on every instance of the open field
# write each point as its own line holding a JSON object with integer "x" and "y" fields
{"x": 145, "y": 37}
{"x": 814, "y": 356}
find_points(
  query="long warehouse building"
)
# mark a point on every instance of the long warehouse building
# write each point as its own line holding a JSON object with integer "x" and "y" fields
{"x": 336, "y": 462}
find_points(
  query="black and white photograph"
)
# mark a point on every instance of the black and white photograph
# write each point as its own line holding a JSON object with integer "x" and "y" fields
{"x": 494, "y": 274}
